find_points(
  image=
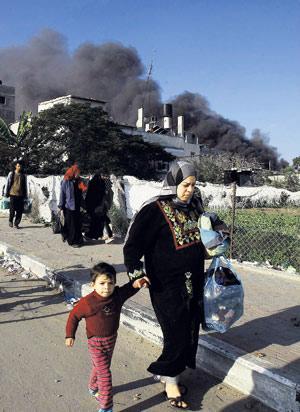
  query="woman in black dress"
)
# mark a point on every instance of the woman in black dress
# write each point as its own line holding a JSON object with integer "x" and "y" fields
{"x": 165, "y": 232}
{"x": 95, "y": 206}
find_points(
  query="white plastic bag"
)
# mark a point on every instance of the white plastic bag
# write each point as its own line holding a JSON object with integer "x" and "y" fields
{"x": 223, "y": 296}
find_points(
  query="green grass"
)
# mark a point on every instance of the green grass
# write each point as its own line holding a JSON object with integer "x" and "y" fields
{"x": 266, "y": 235}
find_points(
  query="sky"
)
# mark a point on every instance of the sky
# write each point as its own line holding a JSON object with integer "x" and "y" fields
{"x": 242, "y": 55}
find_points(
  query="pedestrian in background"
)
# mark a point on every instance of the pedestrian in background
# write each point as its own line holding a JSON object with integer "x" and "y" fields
{"x": 95, "y": 206}
{"x": 69, "y": 204}
{"x": 108, "y": 202}
{"x": 101, "y": 310}
{"x": 16, "y": 190}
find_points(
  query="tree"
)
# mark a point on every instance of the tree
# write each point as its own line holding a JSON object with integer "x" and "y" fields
{"x": 5, "y": 133}
{"x": 296, "y": 163}
{"x": 11, "y": 145}
{"x": 63, "y": 135}
{"x": 210, "y": 167}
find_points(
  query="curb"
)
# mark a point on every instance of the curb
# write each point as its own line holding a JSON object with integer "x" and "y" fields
{"x": 233, "y": 366}
{"x": 267, "y": 271}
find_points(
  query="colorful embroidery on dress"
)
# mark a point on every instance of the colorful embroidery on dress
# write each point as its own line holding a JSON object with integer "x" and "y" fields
{"x": 183, "y": 225}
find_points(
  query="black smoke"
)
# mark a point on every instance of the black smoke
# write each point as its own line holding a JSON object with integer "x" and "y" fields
{"x": 222, "y": 134}
{"x": 44, "y": 69}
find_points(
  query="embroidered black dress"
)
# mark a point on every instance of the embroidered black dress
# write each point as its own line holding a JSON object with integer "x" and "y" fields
{"x": 169, "y": 239}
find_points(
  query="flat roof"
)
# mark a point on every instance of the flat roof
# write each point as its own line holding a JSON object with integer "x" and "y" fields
{"x": 71, "y": 96}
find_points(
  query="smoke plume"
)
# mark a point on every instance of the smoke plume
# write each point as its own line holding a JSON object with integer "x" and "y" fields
{"x": 44, "y": 69}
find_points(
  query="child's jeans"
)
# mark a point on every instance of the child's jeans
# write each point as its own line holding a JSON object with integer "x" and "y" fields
{"x": 101, "y": 350}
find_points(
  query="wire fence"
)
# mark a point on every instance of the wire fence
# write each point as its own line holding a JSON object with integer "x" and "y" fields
{"x": 264, "y": 235}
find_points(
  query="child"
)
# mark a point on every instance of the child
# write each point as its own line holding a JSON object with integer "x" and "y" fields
{"x": 101, "y": 310}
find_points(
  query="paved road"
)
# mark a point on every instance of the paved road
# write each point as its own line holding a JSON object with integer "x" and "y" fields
{"x": 39, "y": 374}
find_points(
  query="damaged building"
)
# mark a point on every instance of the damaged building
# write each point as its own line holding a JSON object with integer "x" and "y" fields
{"x": 7, "y": 103}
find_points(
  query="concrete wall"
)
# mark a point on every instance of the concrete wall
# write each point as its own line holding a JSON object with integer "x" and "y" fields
{"x": 214, "y": 196}
{"x": 130, "y": 193}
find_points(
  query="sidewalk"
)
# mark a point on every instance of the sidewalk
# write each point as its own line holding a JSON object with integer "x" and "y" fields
{"x": 259, "y": 356}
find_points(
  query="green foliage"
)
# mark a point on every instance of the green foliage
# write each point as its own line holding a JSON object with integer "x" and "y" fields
{"x": 24, "y": 128}
{"x": 290, "y": 181}
{"x": 210, "y": 167}
{"x": 6, "y": 157}
{"x": 208, "y": 170}
{"x": 296, "y": 163}
{"x": 5, "y": 134}
{"x": 266, "y": 236}
{"x": 11, "y": 146}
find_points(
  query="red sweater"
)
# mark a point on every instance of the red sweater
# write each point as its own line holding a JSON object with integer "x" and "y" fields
{"x": 102, "y": 315}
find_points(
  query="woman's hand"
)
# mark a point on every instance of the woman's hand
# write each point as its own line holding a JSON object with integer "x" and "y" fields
{"x": 141, "y": 283}
{"x": 69, "y": 342}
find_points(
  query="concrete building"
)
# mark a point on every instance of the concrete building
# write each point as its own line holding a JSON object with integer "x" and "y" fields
{"x": 67, "y": 100}
{"x": 7, "y": 103}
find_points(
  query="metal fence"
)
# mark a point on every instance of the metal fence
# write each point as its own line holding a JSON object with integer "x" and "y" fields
{"x": 264, "y": 235}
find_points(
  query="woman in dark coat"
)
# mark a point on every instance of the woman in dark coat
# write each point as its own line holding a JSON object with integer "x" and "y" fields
{"x": 165, "y": 232}
{"x": 69, "y": 202}
{"x": 95, "y": 206}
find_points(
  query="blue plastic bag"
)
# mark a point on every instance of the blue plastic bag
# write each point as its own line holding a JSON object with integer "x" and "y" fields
{"x": 223, "y": 296}
{"x": 4, "y": 203}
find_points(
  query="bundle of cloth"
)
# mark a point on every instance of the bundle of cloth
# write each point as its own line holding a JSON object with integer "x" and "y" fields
{"x": 214, "y": 234}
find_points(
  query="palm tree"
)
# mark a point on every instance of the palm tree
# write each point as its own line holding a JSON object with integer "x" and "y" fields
{"x": 24, "y": 128}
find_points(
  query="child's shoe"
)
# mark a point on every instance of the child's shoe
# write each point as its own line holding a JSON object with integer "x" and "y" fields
{"x": 94, "y": 392}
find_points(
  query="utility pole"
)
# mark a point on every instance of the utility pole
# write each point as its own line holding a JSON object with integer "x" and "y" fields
{"x": 233, "y": 202}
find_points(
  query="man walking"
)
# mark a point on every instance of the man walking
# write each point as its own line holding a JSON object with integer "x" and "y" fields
{"x": 16, "y": 189}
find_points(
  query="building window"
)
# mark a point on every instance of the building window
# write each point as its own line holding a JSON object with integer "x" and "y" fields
{"x": 2, "y": 99}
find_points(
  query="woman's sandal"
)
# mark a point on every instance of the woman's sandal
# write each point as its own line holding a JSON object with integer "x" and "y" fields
{"x": 177, "y": 402}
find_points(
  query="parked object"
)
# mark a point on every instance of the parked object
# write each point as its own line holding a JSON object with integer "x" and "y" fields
{"x": 223, "y": 296}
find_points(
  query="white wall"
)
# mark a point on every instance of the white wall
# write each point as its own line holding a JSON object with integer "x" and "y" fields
{"x": 130, "y": 193}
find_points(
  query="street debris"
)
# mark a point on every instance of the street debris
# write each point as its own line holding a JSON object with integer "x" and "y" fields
{"x": 137, "y": 397}
{"x": 14, "y": 268}
{"x": 260, "y": 354}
